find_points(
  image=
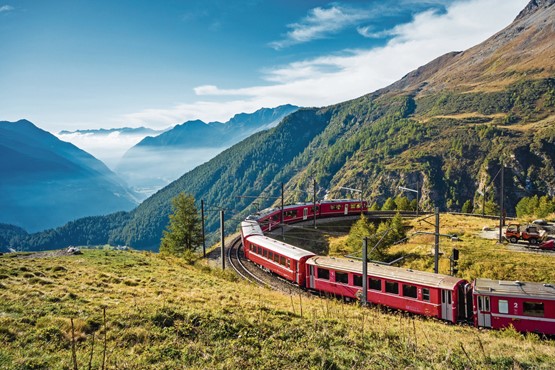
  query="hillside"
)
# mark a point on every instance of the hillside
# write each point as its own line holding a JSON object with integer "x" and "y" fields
{"x": 447, "y": 140}
{"x": 156, "y": 161}
{"x": 47, "y": 182}
{"x": 146, "y": 311}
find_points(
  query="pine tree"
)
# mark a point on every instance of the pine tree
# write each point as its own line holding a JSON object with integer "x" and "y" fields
{"x": 402, "y": 203}
{"x": 360, "y": 230}
{"x": 397, "y": 231}
{"x": 389, "y": 205}
{"x": 183, "y": 234}
{"x": 467, "y": 207}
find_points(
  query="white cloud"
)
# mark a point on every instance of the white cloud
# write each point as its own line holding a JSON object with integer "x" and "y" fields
{"x": 350, "y": 73}
{"x": 320, "y": 23}
{"x": 6, "y": 8}
{"x": 108, "y": 148}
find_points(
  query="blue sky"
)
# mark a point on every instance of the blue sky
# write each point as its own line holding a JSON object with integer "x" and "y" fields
{"x": 89, "y": 64}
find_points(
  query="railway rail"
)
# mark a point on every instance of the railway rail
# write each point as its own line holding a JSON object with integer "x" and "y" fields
{"x": 250, "y": 272}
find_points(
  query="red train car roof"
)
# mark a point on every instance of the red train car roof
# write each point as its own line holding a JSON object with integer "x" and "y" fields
{"x": 250, "y": 228}
{"x": 284, "y": 249}
{"x": 514, "y": 289}
{"x": 388, "y": 272}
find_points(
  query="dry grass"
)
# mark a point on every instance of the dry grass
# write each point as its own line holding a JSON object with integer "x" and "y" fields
{"x": 164, "y": 314}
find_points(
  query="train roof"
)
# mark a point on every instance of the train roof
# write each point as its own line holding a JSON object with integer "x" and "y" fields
{"x": 250, "y": 228}
{"x": 388, "y": 272}
{"x": 268, "y": 211}
{"x": 514, "y": 289}
{"x": 282, "y": 248}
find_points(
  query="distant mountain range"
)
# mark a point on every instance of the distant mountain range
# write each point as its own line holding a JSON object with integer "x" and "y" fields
{"x": 122, "y": 130}
{"x": 47, "y": 182}
{"x": 157, "y": 160}
{"x": 445, "y": 129}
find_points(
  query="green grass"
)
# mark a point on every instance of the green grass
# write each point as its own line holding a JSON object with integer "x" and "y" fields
{"x": 164, "y": 314}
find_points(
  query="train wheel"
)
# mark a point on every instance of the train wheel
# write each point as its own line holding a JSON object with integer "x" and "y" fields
{"x": 513, "y": 239}
{"x": 533, "y": 241}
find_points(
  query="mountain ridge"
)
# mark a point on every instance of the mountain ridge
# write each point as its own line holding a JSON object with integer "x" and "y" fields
{"x": 40, "y": 171}
{"x": 157, "y": 160}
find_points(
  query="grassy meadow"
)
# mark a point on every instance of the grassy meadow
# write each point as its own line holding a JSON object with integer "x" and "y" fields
{"x": 478, "y": 257}
{"x": 140, "y": 310}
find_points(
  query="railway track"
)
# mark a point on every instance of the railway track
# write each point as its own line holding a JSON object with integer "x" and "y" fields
{"x": 251, "y": 272}
{"x": 234, "y": 259}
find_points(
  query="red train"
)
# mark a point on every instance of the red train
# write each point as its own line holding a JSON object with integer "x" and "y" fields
{"x": 269, "y": 218}
{"x": 528, "y": 307}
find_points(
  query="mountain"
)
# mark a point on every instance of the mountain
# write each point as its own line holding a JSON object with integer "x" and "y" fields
{"x": 123, "y": 130}
{"x": 444, "y": 129}
{"x": 157, "y": 160}
{"x": 108, "y": 145}
{"x": 47, "y": 182}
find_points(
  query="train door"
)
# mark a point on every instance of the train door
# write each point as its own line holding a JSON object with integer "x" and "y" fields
{"x": 484, "y": 313}
{"x": 311, "y": 275}
{"x": 446, "y": 305}
{"x": 346, "y": 209}
{"x": 305, "y": 213}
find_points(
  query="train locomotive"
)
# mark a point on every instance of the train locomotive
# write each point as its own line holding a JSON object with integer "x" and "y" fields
{"x": 527, "y": 306}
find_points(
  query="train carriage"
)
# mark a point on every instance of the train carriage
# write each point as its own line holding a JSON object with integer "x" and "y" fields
{"x": 270, "y": 218}
{"x": 419, "y": 292}
{"x": 280, "y": 258}
{"x": 528, "y": 307}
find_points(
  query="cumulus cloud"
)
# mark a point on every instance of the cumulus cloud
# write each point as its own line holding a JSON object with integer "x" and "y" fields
{"x": 349, "y": 74}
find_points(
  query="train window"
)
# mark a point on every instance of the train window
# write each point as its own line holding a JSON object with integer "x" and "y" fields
{"x": 288, "y": 263}
{"x": 409, "y": 291}
{"x": 503, "y": 306}
{"x": 282, "y": 260}
{"x": 375, "y": 284}
{"x": 265, "y": 253}
{"x": 426, "y": 294}
{"x": 357, "y": 280}
{"x": 270, "y": 255}
{"x": 292, "y": 213}
{"x": 342, "y": 277}
{"x": 323, "y": 274}
{"x": 259, "y": 250}
{"x": 276, "y": 257}
{"x": 392, "y": 287}
{"x": 533, "y": 309}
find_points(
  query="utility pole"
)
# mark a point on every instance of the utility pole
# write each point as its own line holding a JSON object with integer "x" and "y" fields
{"x": 436, "y": 244}
{"x": 282, "y": 214}
{"x": 222, "y": 237}
{"x": 417, "y": 194}
{"x": 314, "y": 200}
{"x": 364, "y": 297}
{"x": 484, "y": 203}
{"x": 202, "y": 218}
{"x": 501, "y": 203}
